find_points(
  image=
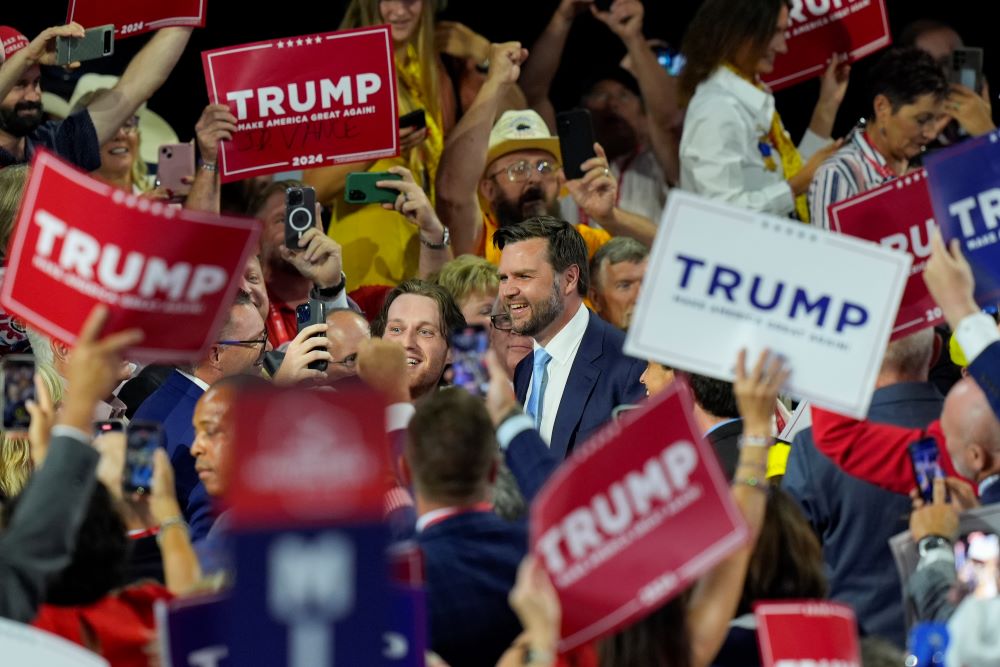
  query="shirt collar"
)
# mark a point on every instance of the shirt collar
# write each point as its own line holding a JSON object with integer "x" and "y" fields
{"x": 562, "y": 345}
{"x": 201, "y": 383}
{"x": 861, "y": 141}
{"x": 758, "y": 101}
{"x": 717, "y": 426}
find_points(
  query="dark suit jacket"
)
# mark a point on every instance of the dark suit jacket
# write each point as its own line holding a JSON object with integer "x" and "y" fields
{"x": 173, "y": 406}
{"x": 985, "y": 370}
{"x": 725, "y": 441}
{"x": 41, "y": 536}
{"x": 471, "y": 562}
{"x": 602, "y": 377}
{"x": 855, "y": 519}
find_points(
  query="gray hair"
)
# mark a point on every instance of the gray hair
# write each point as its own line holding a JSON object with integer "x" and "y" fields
{"x": 910, "y": 356}
{"x": 41, "y": 347}
{"x": 617, "y": 250}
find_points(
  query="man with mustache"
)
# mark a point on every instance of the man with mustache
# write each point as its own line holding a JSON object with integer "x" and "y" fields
{"x": 496, "y": 175}
{"x": 78, "y": 138}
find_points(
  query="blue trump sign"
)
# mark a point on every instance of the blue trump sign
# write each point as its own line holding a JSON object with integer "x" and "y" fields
{"x": 964, "y": 183}
{"x": 192, "y": 632}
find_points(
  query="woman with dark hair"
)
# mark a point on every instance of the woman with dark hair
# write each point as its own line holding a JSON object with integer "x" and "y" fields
{"x": 911, "y": 103}
{"x": 734, "y": 146}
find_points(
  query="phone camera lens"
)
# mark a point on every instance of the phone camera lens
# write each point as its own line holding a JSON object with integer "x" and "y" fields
{"x": 294, "y": 197}
{"x": 356, "y": 195}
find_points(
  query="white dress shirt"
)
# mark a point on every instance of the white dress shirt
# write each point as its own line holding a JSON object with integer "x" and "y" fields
{"x": 563, "y": 348}
{"x": 720, "y": 155}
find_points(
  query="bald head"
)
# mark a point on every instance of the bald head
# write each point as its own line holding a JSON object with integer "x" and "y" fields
{"x": 346, "y": 330}
{"x": 972, "y": 431}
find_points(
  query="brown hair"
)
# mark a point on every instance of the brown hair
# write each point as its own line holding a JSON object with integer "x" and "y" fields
{"x": 718, "y": 32}
{"x": 566, "y": 246}
{"x": 451, "y": 448}
{"x": 260, "y": 199}
{"x": 661, "y": 639}
{"x": 451, "y": 316}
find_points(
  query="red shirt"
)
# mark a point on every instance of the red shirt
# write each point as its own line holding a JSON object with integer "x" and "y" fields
{"x": 876, "y": 453}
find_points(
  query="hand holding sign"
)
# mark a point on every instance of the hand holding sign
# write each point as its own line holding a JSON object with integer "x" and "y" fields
{"x": 217, "y": 123}
{"x": 757, "y": 391}
{"x": 949, "y": 280}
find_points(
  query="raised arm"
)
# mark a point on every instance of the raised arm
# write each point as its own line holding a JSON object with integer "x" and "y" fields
{"x": 148, "y": 71}
{"x": 464, "y": 158}
{"x": 658, "y": 88}
{"x": 217, "y": 123}
{"x": 546, "y": 52}
{"x": 40, "y": 51}
{"x": 832, "y": 88}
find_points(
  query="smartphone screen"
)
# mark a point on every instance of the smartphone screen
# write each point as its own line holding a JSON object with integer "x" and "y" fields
{"x": 977, "y": 563}
{"x": 18, "y": 388}
{"x": 670, "y": 59}
{"x": 108, "y": 426}
{"x": 576, "y": 140}
{"x": 143, "y": 439}
{"x": 926, "y": 468}
{"x": 468, "y": 359}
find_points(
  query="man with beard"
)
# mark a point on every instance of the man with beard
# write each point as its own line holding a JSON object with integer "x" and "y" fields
{"x": 78, "y": 138}
{"x": 497, "y": 175}
{"x": 577, "y": 373}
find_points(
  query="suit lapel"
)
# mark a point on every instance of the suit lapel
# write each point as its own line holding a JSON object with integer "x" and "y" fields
{"x": 583, "y": 378}
{"x": 522, "y": 377}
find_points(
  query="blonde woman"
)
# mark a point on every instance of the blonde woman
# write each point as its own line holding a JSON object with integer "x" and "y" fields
{"x": 17, "y": 456}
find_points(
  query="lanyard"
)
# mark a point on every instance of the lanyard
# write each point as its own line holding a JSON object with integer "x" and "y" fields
{"x": 437, "y": 516}
{"x": 584, "y": 218}
{"x": 881, "y": 169}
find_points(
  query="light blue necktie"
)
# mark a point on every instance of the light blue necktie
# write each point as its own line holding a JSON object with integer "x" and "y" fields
{"x": 539, "y": 378}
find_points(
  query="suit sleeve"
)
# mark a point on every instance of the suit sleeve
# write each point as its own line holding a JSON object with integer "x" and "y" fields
{"x": 985, "y": 370}
{"x": 41, "y": 536}
{"x": 875, "y": 453}
{"x": 798, "y": 482}
{"x": 530, "y": 460}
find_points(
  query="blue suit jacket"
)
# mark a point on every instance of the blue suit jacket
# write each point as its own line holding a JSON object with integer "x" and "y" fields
{"x": 985, "y": 370}
{"x": 173, "y": 406}
{"x": 471, "y": 562}
{"x": 855, "y": 519}
{"x": 602, "y": 377}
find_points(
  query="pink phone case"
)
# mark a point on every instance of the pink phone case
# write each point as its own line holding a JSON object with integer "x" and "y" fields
{"x": 176, "y": 161}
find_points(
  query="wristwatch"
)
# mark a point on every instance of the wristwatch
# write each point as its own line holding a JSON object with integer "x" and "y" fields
{"x": 330, "y": 292}
{"x": 932, "y": 543}
{"x": 445, "y": 241}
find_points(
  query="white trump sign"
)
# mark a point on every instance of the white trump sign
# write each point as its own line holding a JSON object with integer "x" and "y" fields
{"x": 721, "y": 278}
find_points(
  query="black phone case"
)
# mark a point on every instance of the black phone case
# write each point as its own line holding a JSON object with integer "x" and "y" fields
{"x": 316, "y": 315}
{"x": 415, "y": 119}
{"x": 299, "y": 217}
{"x": 576, "y": 140}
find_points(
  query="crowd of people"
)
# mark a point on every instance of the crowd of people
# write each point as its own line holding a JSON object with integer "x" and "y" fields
{"x": 486, "y": 229}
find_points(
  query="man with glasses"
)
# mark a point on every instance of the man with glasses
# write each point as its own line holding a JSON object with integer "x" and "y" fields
{"x": 496, "y": 175}
{"x": 510, "y": 347}
{"x": 239, "y": 350}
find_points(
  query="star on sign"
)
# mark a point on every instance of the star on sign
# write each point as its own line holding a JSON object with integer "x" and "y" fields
{"x": 299, "y": 42}
{"x": 289, "y": 43}
{"x": 281, "y": 44}
{"x": 309, "y": 40}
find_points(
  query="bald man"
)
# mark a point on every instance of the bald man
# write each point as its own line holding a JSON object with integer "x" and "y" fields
{"x": 346, "y": 329}
{"x": 972, "y": 435}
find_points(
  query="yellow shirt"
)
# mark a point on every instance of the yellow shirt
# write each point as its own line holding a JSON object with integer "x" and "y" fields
{"x": 594, "y": 238}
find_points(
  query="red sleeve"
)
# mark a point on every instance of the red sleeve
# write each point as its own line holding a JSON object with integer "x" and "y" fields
{"x": 876, "y": 453}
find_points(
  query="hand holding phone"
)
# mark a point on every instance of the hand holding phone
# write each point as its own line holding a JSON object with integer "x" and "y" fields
{"x": 18, "y": 388}
{"x": 416, "y": 119}
{"x": 143, "y": 439}
{"x": 926, "y": 467}
{"x": 175, "y": 165}
{"x": 300, "y": 212}
{"x": 966, "y": 68}
{"x": 361, "y": 188}
{"x": 468, "y": 360}
{"x": 98, "y": 42}
{"x": 307, "y": 314}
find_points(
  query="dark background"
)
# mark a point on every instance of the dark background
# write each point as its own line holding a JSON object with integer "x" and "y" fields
{"x": 591, "y": 46}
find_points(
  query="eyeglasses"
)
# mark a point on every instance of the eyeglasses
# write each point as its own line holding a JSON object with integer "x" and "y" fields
{"x": 131, "y": 126}
{"x": 520, "y": 171}
{"x": 348, "y": 362}
{"x": 501, "y": 322}
{"x": 253, "y": 342}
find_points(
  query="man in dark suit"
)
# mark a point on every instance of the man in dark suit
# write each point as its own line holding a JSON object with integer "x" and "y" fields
{"x": 39, "y": 540}
{"x": 240, "y": 349}
{"x": 471, "y": 554}
{"x": 718, "y": 418}
{"x": 577, "y": 373}
{"x": 855, "y": 519}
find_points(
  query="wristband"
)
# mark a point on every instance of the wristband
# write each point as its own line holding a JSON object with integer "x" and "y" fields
{"x": 755, "y": 440}
{"x": 330, "y": 292}
{"x": 209, "y": 166}
{"x": 445, "y": 241}
{"x": 536, "y": 656}
{"x": 172, "y": 521}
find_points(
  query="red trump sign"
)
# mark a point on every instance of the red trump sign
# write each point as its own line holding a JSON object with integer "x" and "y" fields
{"x": 819, "y": 28}
{"x": 305, "y": 102}
{"x": 897, "y": 215}
{"x": 807, "y": 633}
{"x": 328, "y": 462}
{"x": 633, "y": 517}
{"x": 132, "y": 18}
{"x": 79, "y": 242}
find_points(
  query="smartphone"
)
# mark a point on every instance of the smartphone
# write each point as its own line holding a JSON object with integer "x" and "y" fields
{"x": 300, "y": 212}
{"x": 576, "y": 140}
{"x": 416, "y": 119}
{"x": 175, "y": 162}
{"x": 142, "y": 439}
{"x": 307, "y": 314}
{"x": 967, "y": 68}
{"x": 603, "y": 5}
{"x": 96, "y": 43}
{"x": 468, "y": 359}
{"x": 926, "y": 468}
{"x": 670, "y": 59}
{"x": 977, "y": 563}
{"x": 361, "y": 187}
{"x": 18, "y": 388}
{"x": 109, "y": 426}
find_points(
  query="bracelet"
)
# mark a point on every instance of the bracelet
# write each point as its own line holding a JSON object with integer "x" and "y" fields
{"x": 172, "y": 521}
{"x": 755, "y": 440}
{"x": 445, "y": 241}
{"x": 539, "y": 656}
{"x": 752, "y": 482}
{"x": 209, "y": 166}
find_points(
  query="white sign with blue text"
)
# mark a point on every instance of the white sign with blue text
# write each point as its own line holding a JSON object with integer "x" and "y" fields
{"x": 722, "y": 278}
